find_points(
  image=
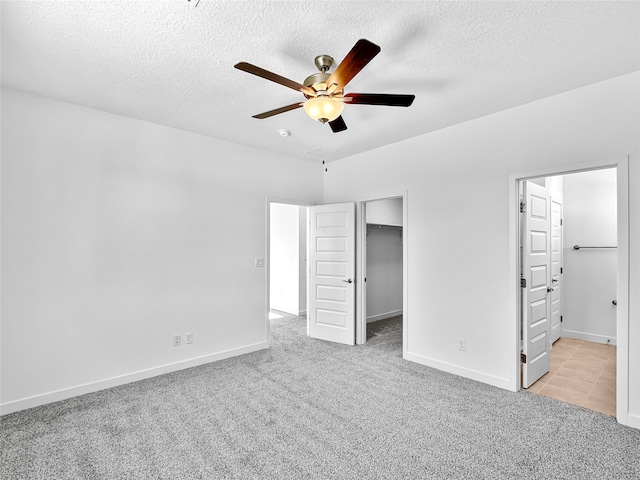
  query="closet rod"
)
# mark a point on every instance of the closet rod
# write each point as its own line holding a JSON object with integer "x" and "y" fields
{"x": 578, "y": 247}
{"x": 385, "y": 227}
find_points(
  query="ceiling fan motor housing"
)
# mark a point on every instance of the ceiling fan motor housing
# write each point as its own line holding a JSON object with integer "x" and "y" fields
{"x": 317, "y": 81}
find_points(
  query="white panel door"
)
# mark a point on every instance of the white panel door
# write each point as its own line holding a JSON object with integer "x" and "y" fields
{"x": 556, "y": 269}
{"x": 332, "y": 266}
{"x": 536, "y": 260}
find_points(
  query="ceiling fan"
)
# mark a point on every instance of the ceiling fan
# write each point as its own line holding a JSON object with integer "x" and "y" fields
{"x": 324, "y": 91}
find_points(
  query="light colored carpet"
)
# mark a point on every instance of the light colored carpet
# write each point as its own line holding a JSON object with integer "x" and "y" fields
{"x": 307, "y": 409}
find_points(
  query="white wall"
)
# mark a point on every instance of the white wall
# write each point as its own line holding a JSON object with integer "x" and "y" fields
{"x": 284, "y": 269}
{"x": 590, "y": 275}
{"x": 387, "y": 211}
{"x": 458, "y": 218}
{"x": 384, "y": 272}
{"x": 118, "y": 234}
{"x": 555, "y": 186}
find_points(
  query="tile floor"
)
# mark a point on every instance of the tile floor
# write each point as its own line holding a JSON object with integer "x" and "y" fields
{"x": 582, "y": 373}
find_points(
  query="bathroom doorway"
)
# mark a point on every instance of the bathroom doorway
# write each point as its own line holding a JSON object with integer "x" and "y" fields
{"x": 581, "y": 327}
{"x": 523, "y": 279}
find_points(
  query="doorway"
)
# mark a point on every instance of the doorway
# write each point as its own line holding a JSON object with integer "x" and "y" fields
{"x": 580, "y": 334}
{"x": 580, "y": 318}
{"x": 286, "y": 259}
{"x": 383, "y": 269}
{"x": 331, "y": 217}
{"x": 383, "y": 266}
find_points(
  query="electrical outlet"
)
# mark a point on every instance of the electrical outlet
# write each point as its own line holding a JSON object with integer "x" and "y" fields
{"x": 188, "y": 337}
{"x": 259, "y": 262}
{"x": 462, "y": 344}
{"x": 176, "y": 340}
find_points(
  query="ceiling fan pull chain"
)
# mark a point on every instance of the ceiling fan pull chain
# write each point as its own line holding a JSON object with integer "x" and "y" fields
{"x": 324, "y": 147}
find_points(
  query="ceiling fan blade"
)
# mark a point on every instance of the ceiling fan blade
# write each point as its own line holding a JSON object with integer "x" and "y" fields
{"x": 338, "y": 125}
{"x": 271, "y": 113}
{"x": 387, "y": 99}
{"x": 361, "y": 54}
{"x": 261, "y": 72}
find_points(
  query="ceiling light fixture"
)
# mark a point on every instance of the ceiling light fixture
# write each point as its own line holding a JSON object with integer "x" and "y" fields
{"x": 324, "y": 91}
{"x": 323, "y": 108}
{"x": 283, "y": 132}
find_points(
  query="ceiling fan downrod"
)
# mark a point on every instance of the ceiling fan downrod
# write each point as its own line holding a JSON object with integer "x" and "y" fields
{"x": 324, "y": 62}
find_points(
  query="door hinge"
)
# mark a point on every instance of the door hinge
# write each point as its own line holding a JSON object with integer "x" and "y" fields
{"x": 561, "y": 270}
{"x": 523, "y": 207}
{"x": 560, "y": 222}
{"x": 523, "y": 358}
{"x": 523, "y": 283}
{"x": 561, "y": 319}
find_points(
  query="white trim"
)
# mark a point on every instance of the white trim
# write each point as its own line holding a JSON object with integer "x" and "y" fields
{"x": 633, "y": 421}
{"x": 482, "y": 377}
{"x": 283, "y": 310}
{"x": 514, "y": 300}
{"x": 382, "y": 316}
{"x": 405, "y": 274}
{"x": 622, "y": 296}
{"x": 361, "y": 266}
{"x": 589, "y": 337}
{"x": 622, "y": 311}
{"x": 65, "y": 393}
{"x": 571, "y": 168}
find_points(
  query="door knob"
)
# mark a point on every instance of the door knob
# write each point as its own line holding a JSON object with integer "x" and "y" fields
{"x": 550, "y": 289}
{"x": 554, "y": 280}
{"x": 348, "y": 281}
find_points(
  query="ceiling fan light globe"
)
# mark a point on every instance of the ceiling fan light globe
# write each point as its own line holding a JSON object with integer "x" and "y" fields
{"x": 323, "y": 109}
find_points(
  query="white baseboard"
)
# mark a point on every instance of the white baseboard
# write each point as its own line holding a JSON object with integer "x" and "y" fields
{"x": 590, "y": 337}
{"x": 382, "y": 316}
{"x": 302, "y": 313}
{"x": 460, "y": 371}
{"x": 63, "y": 394}
{"x": 284, "y": 311}
{"x": 633, "y": 421}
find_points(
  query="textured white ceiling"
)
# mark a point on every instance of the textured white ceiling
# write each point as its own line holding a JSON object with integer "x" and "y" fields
{"x": 171, "y": 63}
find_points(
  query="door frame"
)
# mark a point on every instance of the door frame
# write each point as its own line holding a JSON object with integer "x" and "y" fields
{"x": 267, "y": 259}
{"x": 361, "y": 266}
{"x": 621, "y": 164}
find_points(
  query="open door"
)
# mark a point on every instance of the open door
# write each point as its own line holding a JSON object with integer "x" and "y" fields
{"x": 535, "y": 277}
{"x": 556, "y": 269}
{"x": 331, "y": 285}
